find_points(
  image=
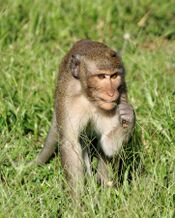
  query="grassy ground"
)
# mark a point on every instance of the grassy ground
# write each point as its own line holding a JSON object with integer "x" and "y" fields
{"x": 34, "y": 36}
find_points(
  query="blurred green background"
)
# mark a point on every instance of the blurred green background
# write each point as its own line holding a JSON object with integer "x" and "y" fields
{"x": 34, "y": 36}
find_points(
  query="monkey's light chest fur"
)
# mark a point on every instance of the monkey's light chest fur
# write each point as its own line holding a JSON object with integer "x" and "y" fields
{"x": 81, "y": 110}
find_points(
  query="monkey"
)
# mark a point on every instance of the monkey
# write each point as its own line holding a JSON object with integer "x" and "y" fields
{"x": 90, "y": 88}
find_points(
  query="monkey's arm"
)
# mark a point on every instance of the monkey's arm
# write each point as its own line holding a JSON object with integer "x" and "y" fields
{"x": 116, "y": 138}
{"x": 72, "y": 159}
{"x": 126, "y": 111}
{"x": 123, "y": 92}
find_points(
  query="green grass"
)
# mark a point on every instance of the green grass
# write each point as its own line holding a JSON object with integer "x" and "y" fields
{"x": 34, "y": 36}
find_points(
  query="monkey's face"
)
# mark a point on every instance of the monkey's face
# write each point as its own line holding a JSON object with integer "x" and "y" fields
{"x": 103, "y": 88}
{"x": 101, "y": 74}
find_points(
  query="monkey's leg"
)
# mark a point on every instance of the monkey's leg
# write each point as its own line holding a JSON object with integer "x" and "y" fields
{"x": 103, "y": 172}
{"x": 87, "y": 162}
{"x": 111, "y": 143}
{"x": 49, "y": 145}
{"x": 72, "y": 162}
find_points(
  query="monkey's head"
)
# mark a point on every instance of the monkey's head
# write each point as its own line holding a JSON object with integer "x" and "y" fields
{"x": 101, "y": 74}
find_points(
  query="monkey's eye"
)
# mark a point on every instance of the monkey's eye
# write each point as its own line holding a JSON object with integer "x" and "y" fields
{"x": 101, "y": 76}
{"x": 114, "y": 76}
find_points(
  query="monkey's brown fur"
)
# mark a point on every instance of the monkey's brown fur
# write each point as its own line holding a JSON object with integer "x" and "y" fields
{"x": 90, "y": 88}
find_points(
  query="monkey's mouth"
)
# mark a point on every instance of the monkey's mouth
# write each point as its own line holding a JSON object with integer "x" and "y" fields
{"x": 107, "y": 101}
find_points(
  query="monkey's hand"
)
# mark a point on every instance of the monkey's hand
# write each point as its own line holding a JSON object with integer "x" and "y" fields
{"x": 126, "y": 114}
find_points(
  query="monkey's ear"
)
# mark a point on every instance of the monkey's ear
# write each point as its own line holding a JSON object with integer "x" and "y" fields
{"x": 75, "y": 65}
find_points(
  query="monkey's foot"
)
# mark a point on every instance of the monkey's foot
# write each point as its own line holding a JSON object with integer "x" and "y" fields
{"x": 109, "y": 184}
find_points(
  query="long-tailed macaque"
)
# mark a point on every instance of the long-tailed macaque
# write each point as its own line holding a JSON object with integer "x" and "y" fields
{"x": 91, "y": 89}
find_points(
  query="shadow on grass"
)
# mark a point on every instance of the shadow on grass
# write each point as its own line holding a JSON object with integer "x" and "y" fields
{"x": 130, "y": 160}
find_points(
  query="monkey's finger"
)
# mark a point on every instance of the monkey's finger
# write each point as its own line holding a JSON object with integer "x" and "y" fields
{"x": 124, "y": 109}
{"x": 126, "y": 116}
{"x": 125, "y": 123}
{"x": 110, "y": 184}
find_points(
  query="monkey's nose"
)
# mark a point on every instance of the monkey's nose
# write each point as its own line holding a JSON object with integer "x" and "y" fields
{"x": 111, "y": 93}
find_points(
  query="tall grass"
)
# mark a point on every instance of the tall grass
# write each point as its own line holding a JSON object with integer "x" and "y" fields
{"x": 34, "y": 36}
